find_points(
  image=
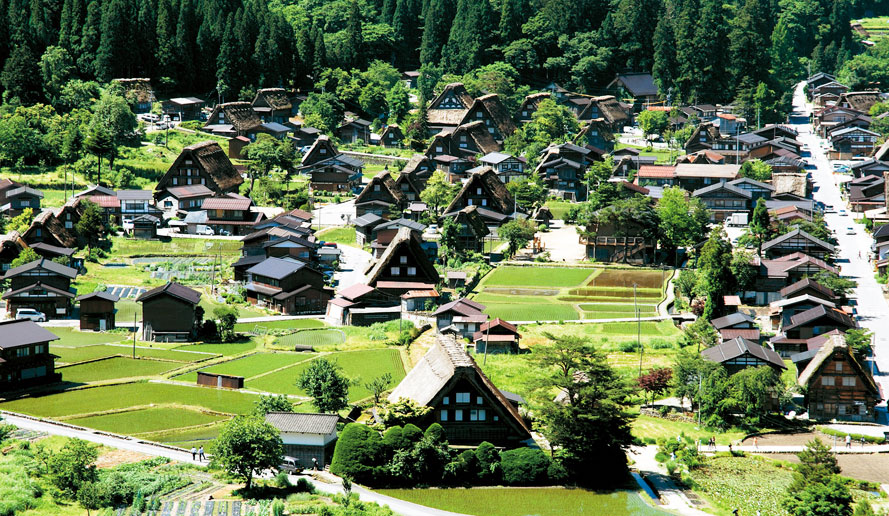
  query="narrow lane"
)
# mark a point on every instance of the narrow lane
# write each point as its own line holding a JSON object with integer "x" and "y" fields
{"x": 854, "y": 244}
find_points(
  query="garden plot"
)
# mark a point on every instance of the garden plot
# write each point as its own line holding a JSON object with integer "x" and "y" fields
{"x": 70, "y": 355}
{"x": 566, "y": 294}
{"x": 126, "y": 292}
{"x": 146, "y": 420}
{"x": 313, "y": 338}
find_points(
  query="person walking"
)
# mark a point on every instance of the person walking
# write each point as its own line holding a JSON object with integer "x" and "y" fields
{"x": 193, "y": 452}
{"x": 755, "y": 447}
{"x": 314, "y": 464}
{"x": 201, "y": 455}
{"x": 848, "y": 441}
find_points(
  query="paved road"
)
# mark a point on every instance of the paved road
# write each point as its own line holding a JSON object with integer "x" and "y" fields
{"x": 353, "y": 263}
{"x": 399, "y": 506}
{"x": 334, "y": 214}
{"x": 873, "y": 311}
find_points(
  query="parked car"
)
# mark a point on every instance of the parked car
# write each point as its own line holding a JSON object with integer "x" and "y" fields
{"x": 843, "y": 213}
{"x": 330, "y": 244}
{"x": 205, "y": 230}
{"x": 828, "y": 208}
{"x": 290, "y": 465}
{"x": 850, "y": 230}
{"x": 30, "y": 313}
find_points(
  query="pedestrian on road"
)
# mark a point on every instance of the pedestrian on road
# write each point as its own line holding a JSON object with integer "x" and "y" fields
{"x": 201, "y": 455}
{"x": 755, "y": 447}
{"x": 193, "y": 452}
{"x": 848, "y": 441}
{"x": 314, "y": 464}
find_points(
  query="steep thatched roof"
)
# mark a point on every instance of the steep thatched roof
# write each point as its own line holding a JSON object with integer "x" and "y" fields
{"x": 275, "y": 98}
{"x": 791, "y": 183}
{"x": 860, "y": 100}
{"x": 439, "y": 114}
{"x": 13, "y": 240}
{"x": 405, "y": 241}
{"x": 320, "y": 150}
{"x": 137, "y": 89}
{"x": 499, "y": 198}
{"x": 387, "y": 186}
{"x": 213, "y": 160}
{"x": 52, "y": 231}
{"x": 470, "y": 217}
{"x": 836, "y": 343}
{"x": 414, "y": 184}
{"x": 239, "y": 114}
{"x": 609, "y": 109}
{"x": 496, "y": 111}
{"x": 478, "y": 133}
{"x": 533, "y": 100}
{"x": 447, "y": 362}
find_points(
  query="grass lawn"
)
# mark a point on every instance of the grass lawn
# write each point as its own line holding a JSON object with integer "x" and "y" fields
{"x": 114, "y": 368}
{"x": 128, "y": 247}
{"x": 360, "y": 366}
{"x": 281, "y": 325}
{"x": 655, "y": 428}
{"x": 72, "y": 337}
{"x": 663, "y": 155}
{"x": 146, "y": 420}
{"x": 79, "y": 354}
{"x": 750, "y": 483}
{"x": 537, "y": 276}
{"x": 559, "y": 208}
{"x": 538, "y": 501}
{"x": 243, "y": 310}
{"x": 342, "y": 236}
{"x": 234, "y": 348}
{"x": 98, "y": 399}
{"x": 250, "y": 366}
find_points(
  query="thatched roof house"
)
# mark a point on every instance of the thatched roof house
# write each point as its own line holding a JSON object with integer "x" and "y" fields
{"x": 403, "y": 266}
{"x": 203, "y": 163}
{"x": 465, "y": 402}
{"x": 239, "y": 115}
{"x": 484, "y": 190}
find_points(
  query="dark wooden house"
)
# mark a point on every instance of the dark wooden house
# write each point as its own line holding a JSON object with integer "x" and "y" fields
{"x": 529, "y": 106}
{"x": 97, "y": 310}
{"x": 361, "y": 305}
{"x": 184, "y": 108}
{"x": 145, "y": 227}
{"x": 43, "y": 285}
{"x": 463, "y": 400}
{"x": 403, "y": 266}
{"x": 837, "y": 385}
{"x": 16, "y": 198}
{"x": 811, "y": 323}
{"x": 471, "y": 229}
{"x": 447, "y": 110}
{"x": 168, "y": 313}
{"x": 563, "y": 168}
{"x": 464, "y": 316}
{"x": 735, "y": 325}
{"x": 797, "y": 241}
{"x": 493, "y": 114}
{"x": 273, "y": 105}
{"x": 497, "y": 336}
{"x": 231, "y": 213}
{"x": 234, "y": 119}
{"x": 381, "y": 196}
{"x": 203, "y": 163}
{"x": 392, "y": 137}
{"x": 488, "y": 194}
{"x": 288, "y": 286}
{"x": 723, "y": 200}
{"x": 25, "y": 359}
{"x": 329, "y": 170}
{"x": 738, "y": 354}
{"x": 11, "y": 245}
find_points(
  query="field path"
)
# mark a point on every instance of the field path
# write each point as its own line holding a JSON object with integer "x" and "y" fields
{"x": 177, "y": 454}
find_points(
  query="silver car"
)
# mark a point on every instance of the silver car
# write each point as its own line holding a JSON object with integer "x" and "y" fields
{"x": 30, "y": 313}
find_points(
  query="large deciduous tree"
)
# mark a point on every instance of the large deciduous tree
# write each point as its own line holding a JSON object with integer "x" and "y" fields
{"x": 246, "y": 446}
{"x": 324, "y": 381}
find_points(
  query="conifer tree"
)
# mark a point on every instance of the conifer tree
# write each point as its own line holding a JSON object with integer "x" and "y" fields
{"x": 435, "y": 32}
{"x": 354, "y": 47}
{"x": 664, "y": 66}
{"x": 469, "y": 37}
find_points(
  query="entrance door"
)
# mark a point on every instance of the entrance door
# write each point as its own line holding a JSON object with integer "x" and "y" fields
{"x": 103, "y": 324}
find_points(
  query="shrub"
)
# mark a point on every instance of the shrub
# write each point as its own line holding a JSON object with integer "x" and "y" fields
{"x": 628, "y": 347}
{"x": 435, "y": 432}
{"x": 357, "y": 453}
{"x": 488, "y": 463}
{"x": 304, "y": 486}
{"x": 393, "y": 440}
{"x": 524, "y": 466}
{"x": 282, "y": 481}
{"x": 412, "y": 434}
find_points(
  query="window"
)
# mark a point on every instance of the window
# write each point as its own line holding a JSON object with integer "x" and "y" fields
{"x": 396, "y": 271}
{"x": 478, "y": 191}
{"x": 25, "y": 203}
{"x": 411, "y": 271}
{"x": 463, "y": 397}
{"x": 848, "y": 381}
{"x": 462, "y": 137}
{"x": 39, "y": 348}
{"x": 402, "y": 260}
{"x": 827, "y": 380}
{"x": 439, "y": 149}
{"x": 484, "y": 202}
{"x": 443, "y": 415}
{"x": 524, "y": 113}
{"x": 68, "y": 224}
{"x": 38, "y": 232}
{"x": 458, "y": 415}
{"x": 323, "y": 151}
{"x": 473, "y": 415}
{"x": 478, "y": 400}
{"x": 446, "y": 400}
{"x": 376, "y": 188}
{"x": 839, "y": 366}
{"x": 22, "y": 352}
{"x": 491, "y": 130}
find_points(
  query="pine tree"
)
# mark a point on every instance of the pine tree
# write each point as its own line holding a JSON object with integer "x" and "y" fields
{"x": 749, "y": 46}
{"x": 511, "y": 17}
{"x": 469, "y": 37}
{"x": 435, "y": 32}
{"x": 785, "y": 61}
{"x": 21, "y": 75}
{"x": 711, "y": 39}
{"x": 388, "y": 11}
{"x": 71, "y": 24}
{"x": 664, "y": 67}
{"x": 146, "y": 21}
{"x": 115, "y": 55}
{"x": 185, "y": 38}
{"x": 354, "y": 47}
{"x": 89, "y": 40}
{"x": 319, "y": 57}
{"x": 167, "y": 53}
{"x": 688, "y": 60}
{"x": 404, "y": 26}
{"x": 227, "y": 84}
{"x": 634, "y": 23}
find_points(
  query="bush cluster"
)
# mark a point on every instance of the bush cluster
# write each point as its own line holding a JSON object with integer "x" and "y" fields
{"x": 406, "y": 455}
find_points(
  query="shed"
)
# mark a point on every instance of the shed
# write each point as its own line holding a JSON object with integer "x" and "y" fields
{"x": 145, "y": 227}
{"x": 97, "y": 310}
{"x": 306, "y": 436}
{"x": 223, "y": 381}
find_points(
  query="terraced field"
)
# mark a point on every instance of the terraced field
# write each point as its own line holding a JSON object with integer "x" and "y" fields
{"x": 564, "y": 294}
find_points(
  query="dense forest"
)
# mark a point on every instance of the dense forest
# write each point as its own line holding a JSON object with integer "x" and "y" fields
{"x": 747, "y": 51}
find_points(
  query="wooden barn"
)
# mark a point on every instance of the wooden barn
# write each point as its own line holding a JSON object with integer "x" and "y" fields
{"x": 97, "y": 310}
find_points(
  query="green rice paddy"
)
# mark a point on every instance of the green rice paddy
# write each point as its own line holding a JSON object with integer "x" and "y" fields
{"x": 72, "y": 337}
{"x": 146, "y": 420}
{"x": 80, "y": 354}
{"x": 251, "y": 365}
{"x": 537, "y": 276}
{"x": 114, "y": 368}
{"x": 280, "y": 325}
{"x": 235, "y": 348}
{"x": 315, "y": 338}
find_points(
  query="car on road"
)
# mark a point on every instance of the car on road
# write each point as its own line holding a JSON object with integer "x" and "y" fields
{"x": 843, "y": 213}
{"x": 828, "y": 208}
{"x": 205, "y": 230}
{"x": 433, "y": 228}
{"x": 291, "y": 466}
{"x": 30, "y": 313}
{"x": 850, "y": 230}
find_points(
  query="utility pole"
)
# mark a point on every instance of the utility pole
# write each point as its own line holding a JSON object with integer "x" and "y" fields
{"x": 487, "y": 332}
{"x": 638, "y": 330}
{"x": 135, "y": 331}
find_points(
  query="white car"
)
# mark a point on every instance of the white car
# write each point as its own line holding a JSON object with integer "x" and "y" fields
{"x": 205, "y": 230}
{"x": 850, "y": 230}
{"x": 843, "y": 213}
{"x": 30, "y": 313}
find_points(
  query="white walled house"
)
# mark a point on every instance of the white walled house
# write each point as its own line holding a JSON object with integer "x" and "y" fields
{"x": 306, "y": 436}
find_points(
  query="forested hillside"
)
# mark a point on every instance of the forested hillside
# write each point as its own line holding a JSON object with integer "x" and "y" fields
{"x": 699, "y": 50}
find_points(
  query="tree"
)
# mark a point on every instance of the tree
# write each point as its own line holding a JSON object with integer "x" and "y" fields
{"x": 100, "y": 144}
{"x": 378, "y": 386}
{"x": 91, "y": 496}
{"x": 436, "y": 27}
{"x": 656, "y": 381}
{"x": 591, "y": 419}
{"x": 438, "y": 192}
{"x": 90, "y": 227}
{"x": 529, "y": 193}
{"x": 226, "y": 318}
{"x": 816, "y": 499}
{"x": 689, "y": 371}
{"x": 469, "y": 39}
{"x": 269, "y": 153}
{"x": 21, "y": 75}
{"x": 56, "y": 68}
{"x": 21, "y": 223}
{"x": 757, "y": 170}
{"x": 840, "y": 285}
{"x": 715, "y": 276}
{"x": 683, "y": 219}
{"x": 753, "y": 390}
{"x": 324, "y": 382}
{"x": 448, "y": 242}
{"x": 112, "y": 113}
{"x": 743, "y": 270}
{"x": 859, "y": 340}
{"x": 73, "y": 466}
{"x": 524, "y": 466}
{"x": 247, "y": 445}
{"x": 398, "y": 101}
{"x": 323, "y": 111}
{"x": 653, "y": 122}
{"x": 760, "y": 227}
{"x": 354, "y": 45}
{"x": 358, "y": 453}
{"x": 26, "y": 256}
{"x": 272, "y": 403}
{"x": 817, "y": 465}
{"x": 517, "y": 232}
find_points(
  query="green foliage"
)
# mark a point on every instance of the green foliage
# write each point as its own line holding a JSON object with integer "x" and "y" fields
{"x": 26, "y": 256}
{"x": 272, "y": 403}
{"x": 517, "y": 232}
{"x": 404, "y": 412}
{"x": 683, "y": 219}
{"x": 226, "y": 317}
{"x": 817, "y": 499}
{"x": 90, "y": 227}
{"x": 323, "y": 111}
{"x": 652, "y": 122}
{"x": 72, "y": 466}
{"x": 357, "y": 453}
{"x": 378, "y": 386}
{"x": 836, "y": 283}
{"x": 551, "y": 123}
{"x": 714, "y": 272}
{"x": 529, "y": 193}
{"x": 757, "y": 170}
{"x": 438, "y": 192}
{"x": 324, "y": 381}
{"x": 247, "y": 445}
{"x": 524, "y": 466}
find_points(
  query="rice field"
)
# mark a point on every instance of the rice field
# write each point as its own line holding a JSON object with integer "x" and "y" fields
{"x": 280, "y": 325}
{"x": 251, "y": 365}
{"x": 146, "y": 420}
{"x": 542, "y": 501}
{"x": 114, "y": 368}
{"x": 83, "y": 353}
{"x": 71, "y": 337}
{"x": 563, "y": 294}
{"x": 359, "y": 366}
{"x": 234, "y": 348}
{"x": 314, "y": 338}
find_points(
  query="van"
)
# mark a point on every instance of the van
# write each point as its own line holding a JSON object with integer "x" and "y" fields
{"x": 290, "y": 465}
